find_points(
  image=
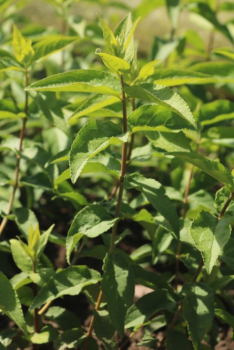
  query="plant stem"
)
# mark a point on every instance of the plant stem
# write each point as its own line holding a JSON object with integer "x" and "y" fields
{"x": 119, "y": 201}
{"x": 187, "y": 189}
{"x": 197, "y": 273}
{"x": 184, "y": 213}
{"x": 131, "y": 145}
{"x": 16, "y": 176}
{"x": 36, "y": 316}
{"x": 44, "y": 308}
{"x": 226, "y": 205}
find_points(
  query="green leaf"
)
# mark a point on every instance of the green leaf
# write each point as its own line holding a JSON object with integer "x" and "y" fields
{"x": 178, "y": 340}
{"x": 198, "y": 311}
{"x": 65, "y": 319}
{"x": 146, "y": 7}
{"x": 52, "y": 110}
{"x": 34, "y": 237}
{"x": 225, "y": 52}
{"x": 148, "y": 305}
{"x": 129, "y": 40}
{"x": 9, "y": 303}
{"x": 25, "y": 218}
{"x": 211, "y": 167}
{"x": 115, "y": 64}
{"x": 146, "y": 71}
{"x": 93, "y": 138}
{"x": 205, "y": 11}
{"x": 22, "y": 48}
{"x": 155, "y": 118}
{"x": 118, "y": 288}
{"x": 50, "y": 45}
{"x": 147, "y": 118}
{"x": 171, "y": 142}
{"x": 124, "y": 36}
{"x": 102, "y": 325}
{"x": 221, "y": 198}
{"x": 225, "y": 316}
{"x": 42, "y": 276}
{"x": 69, "y": 339}
{"x": 155, "y": 194}
{"x": 91, "y": 221}
{"x": 226, "y": 6}
{"x": 215, "y": 112}
{"x": 210, "y": 235}
{"x": 8, "y": 110}
{"x": 91, "y": 105}
{"x": 2, "y": 347}
{"x": 110, "y": 41}
{"x": 20, "y": 280}
{"x": 44, "y": 239}
{"x": 20, "y": 256}
{"x": 222, "y": 71}
{"x": 173, "y": 10}
{"x": 175, "y": 77}
{"x": 47, "y": 334}
{"x": 228, "y": 254}
{"x": 8, "y": 62}
{"x": 80, "y": 81}
{"x": 69, "y": 281}
{"x": 163, "y": 96}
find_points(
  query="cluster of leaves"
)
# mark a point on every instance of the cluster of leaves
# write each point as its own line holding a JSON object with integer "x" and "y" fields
{"x": 126, "y": 166}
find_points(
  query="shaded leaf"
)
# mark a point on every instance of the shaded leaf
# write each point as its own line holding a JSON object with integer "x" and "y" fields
{"x": 9, "y": 303}
{"x": 50, "y": 45}
{"x": 118, "y": 288}
{"x": 93, "y": 138}
{"x": 198, "y": 311}
{"x": 69, "y": 281}
{"x": 210, "y": 236}
{"x": 148, "y": 305}
{"x": 155, "y": 194}
{"x": 163, "y": 96}
{"x": 91, "y": 221}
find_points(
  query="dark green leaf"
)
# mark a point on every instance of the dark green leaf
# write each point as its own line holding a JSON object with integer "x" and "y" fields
{"x": 155, "y": 194}
{"x": 118, "y": 288}
{"x": 66, "y": 282}
{"x": 91, "y": 221}
{"x": 198, "y": 311}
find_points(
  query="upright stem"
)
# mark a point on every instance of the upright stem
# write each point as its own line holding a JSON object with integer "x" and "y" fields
{"x": 131, "y": 145}
{"x": 184, "y": 213}
{"x": 187, "y": 189}
{"x": 36, "y": 316}
{"x": 119, "y": 201}
{"x": 133, "y": 135}
{"x": 16, "y": 176}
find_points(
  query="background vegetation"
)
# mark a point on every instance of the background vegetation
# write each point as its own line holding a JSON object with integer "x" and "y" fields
{"x": 176, "y": 246}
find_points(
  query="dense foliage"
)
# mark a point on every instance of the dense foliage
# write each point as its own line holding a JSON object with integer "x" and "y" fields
{"x": 124, "y": 164}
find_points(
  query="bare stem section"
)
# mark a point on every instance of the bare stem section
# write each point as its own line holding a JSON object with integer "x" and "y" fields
{"x": 16, "y": 176}
{"x": 119, "y": 201}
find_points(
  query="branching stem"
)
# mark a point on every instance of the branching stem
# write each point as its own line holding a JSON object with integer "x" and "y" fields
{"x": 119, "y": 201}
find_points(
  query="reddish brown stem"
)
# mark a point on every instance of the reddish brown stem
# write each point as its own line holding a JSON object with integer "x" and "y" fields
{"x": 16, "y": 176}
{"x": 119, "y": 201}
